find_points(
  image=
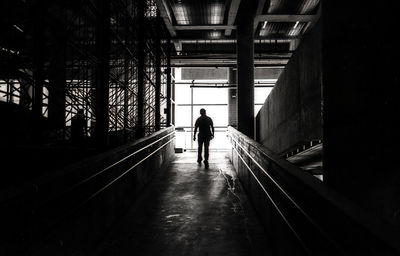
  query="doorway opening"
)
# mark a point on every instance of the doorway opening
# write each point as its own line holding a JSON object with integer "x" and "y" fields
{"x": 212, "y": 95}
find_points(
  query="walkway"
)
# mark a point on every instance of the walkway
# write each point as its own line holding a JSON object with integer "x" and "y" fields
{"x": 188, "y": 210}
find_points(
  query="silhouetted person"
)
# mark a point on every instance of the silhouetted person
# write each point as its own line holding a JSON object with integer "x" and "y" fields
{"x": 206, "y": 133}
{"x": 78, "y": 128}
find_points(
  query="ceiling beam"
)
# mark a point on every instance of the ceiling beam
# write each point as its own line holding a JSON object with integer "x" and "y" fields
{"x": 165, "y": 16}
{"x": 261, "y": 40}
{"x": 204, "y": 27}
{"x": 233, "y": 9}
{"x": 226, "y": 57}
{"x": 220, "y": 65}
{"x": 220, "y": 62}
{"x": 285, "y": 18}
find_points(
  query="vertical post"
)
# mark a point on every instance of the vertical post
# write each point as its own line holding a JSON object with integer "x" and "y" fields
{"x": 169, "y": 82}
{"x": 232, "y": 102}
{"x": 157, "y": 95}
{"x": 57, "y": 77}
{"x": 172, "y": 96}
{"x": 10, "y": 90}
{"x": 38, "y": 58}
{"x": 126, "y": 96}
{"x": 26, "y": 94}
{"x": 126, "y": 81}
{"x": 191, "y": 117}
{"x": 141, "y": 70}
{"x": 102, "y": 72}
{"x": 245, "y": 69}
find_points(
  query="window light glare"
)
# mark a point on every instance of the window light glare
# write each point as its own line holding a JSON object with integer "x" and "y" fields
{"x": 295, "y": 25}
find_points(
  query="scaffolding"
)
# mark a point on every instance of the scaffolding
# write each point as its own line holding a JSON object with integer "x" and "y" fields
{"x": 65, "y": 65}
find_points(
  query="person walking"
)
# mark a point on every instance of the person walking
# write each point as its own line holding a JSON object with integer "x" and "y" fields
{"x": 206, "y": 133}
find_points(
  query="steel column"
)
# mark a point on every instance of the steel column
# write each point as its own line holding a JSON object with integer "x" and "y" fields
{"x": 157, "y": 94}
{"x": 102, "y": 72}
{"x": 245, "y": 66}
{"x": 141, "y": 70}
{"x": 169, "y": 83}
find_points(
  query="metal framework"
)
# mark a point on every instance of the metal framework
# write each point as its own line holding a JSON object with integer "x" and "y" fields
{"x": 66, "y": 69}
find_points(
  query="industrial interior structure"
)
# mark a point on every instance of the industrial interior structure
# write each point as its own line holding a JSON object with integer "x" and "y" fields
{"x": 316, "y": 166}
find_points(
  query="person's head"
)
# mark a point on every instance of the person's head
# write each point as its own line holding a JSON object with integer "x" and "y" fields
{"x": 80, "y": 111}
{"x": 202, "y": 111}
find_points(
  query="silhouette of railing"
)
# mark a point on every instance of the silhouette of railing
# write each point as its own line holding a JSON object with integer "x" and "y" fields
{"x": 73, "y": 207}
{"x": 301, "y": 215}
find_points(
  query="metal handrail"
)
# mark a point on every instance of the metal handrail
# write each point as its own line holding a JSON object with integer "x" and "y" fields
{"x": 118, "y": 162}
{"x": 123, "y": 174}
{"x": 307, "y": 216}
{"x": 50, "y": 210}
{"x": 327, "y": 195}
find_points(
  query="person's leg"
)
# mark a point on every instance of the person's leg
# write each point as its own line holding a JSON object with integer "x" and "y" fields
{"x": 199, "y": 150}
{"x": 206, "y": 144}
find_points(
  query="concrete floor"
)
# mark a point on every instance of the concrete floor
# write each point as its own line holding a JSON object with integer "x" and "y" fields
{"x": 188, "y": 210}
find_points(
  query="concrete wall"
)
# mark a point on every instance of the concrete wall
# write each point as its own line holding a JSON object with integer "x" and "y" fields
{"x": 291, "y": 114}
{"x": 70, "y": 210}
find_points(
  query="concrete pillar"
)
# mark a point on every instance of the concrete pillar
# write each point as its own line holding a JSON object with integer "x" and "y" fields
{"x": 232, "y": 96}
{"x": 102, "y": 72}
{"x": 57, "y": 78}
{"x": 168, "y": 71}
{"x": 361, "y": 119}
{"x": 38, "y": 57}
{"x": 141, "y": 70}
{"x": 245, "y": 68}
{"x": 157, "y": 95}
{"x": 126, "y": 96}
{"x": 127, "y": 73}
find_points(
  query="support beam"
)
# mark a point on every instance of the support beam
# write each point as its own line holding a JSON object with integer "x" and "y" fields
{"x": 168, "y": 71}
{"x": 204, "y": 27}
{"x": 245, "y": 69}
{"x": 157, "y": 118}
{"x": 38, "y": 58}
{"x": 127, "y": 96}
{"x": 141, "y": 69}
{"x": 232, "y": 97}
{"x": 233, "y": 8}
{"x": 161, "y": 5}
{"x": 285, "y": 18}
{"x": 102, "y": 74}
{"x": 57, "y": 78}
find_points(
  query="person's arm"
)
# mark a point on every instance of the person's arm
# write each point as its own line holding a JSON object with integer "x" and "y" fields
{"x": 195, "y": 130}
{"x": 212, "y": 128}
